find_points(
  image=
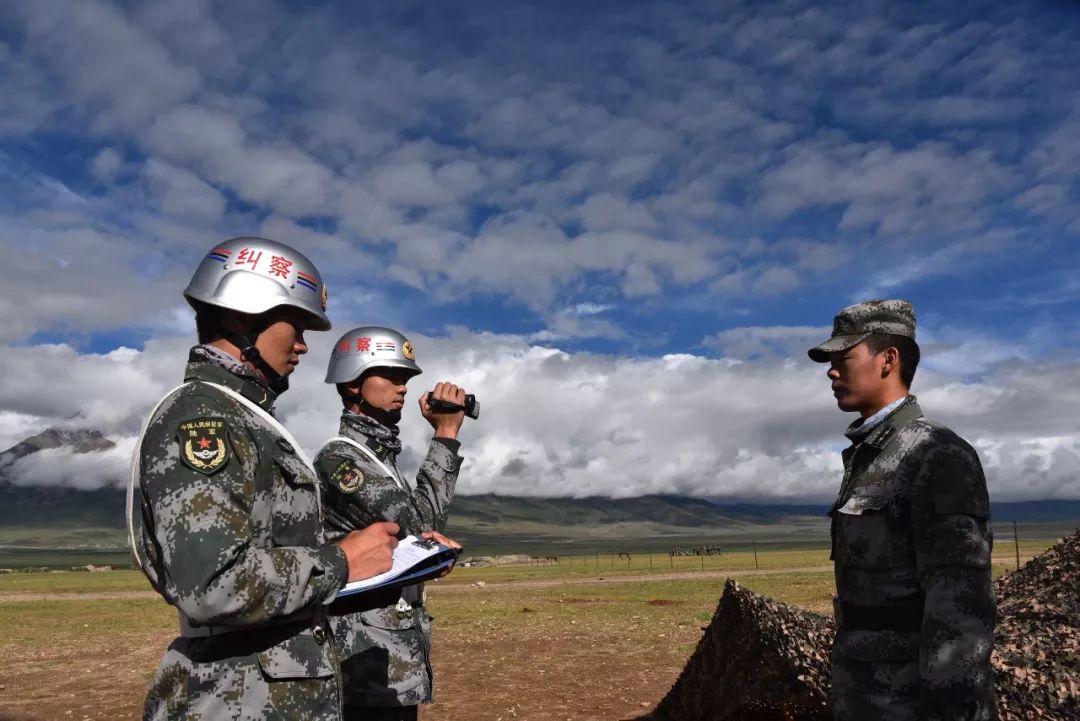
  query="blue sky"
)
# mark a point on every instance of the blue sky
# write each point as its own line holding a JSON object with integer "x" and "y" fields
{"x": 616, "y": 183}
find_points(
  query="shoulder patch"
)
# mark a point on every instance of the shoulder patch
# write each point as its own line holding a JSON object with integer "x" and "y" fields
{"x": 204, "y": 444}
{"x": 347, "y": 477}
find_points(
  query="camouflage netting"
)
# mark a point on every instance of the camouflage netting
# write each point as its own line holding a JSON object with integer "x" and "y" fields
{"x": 758, "y": 659}
{"x": 1037, "y": 646}
{"x": 761, "y": 660}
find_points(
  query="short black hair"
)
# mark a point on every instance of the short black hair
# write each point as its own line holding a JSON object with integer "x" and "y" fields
{"x": 907, "y": 347}
{"x": 209, "y": 322}
{"x": 345, "y": 397}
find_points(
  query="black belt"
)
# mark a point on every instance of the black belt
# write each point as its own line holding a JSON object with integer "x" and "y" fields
{"x": 297, "y": 621}
{"x": 903, "y": 617}
{"x": 214, "y": 643}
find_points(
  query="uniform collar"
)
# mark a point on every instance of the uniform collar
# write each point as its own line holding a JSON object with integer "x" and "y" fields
{"x": 880, "y": 431}
{"x": 365, "y": 429}
{"x": 199, "y": 368}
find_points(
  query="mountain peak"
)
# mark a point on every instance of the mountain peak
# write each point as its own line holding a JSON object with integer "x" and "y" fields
{"x": 80, "y": 440}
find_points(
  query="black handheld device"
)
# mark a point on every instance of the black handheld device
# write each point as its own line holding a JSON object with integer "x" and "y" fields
{"x": 471, "y": 407}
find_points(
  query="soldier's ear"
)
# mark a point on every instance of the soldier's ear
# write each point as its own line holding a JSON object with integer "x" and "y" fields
{"x": 349, "y": 391}
{"x": 890, "y": 361}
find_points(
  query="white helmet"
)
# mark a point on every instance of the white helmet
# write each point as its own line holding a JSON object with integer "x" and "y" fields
{"x": 369, "y": 346}
{"x": 253, "y": 275}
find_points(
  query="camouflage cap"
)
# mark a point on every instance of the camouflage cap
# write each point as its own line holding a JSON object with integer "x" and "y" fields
{"x": 856, "y": 323}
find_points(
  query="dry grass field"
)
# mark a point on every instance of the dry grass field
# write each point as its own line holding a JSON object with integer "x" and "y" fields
{"x": 598, "y": 638}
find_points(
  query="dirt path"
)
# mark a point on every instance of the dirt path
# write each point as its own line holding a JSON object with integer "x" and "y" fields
{"x": 31, "y": 596}
{"x": 615, "y": 578}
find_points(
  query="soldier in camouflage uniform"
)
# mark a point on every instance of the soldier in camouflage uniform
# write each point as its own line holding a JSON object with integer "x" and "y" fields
{"x": 227, "y": 525}
{"x": 911, "y": 538}
{"x": 386, "y": 664}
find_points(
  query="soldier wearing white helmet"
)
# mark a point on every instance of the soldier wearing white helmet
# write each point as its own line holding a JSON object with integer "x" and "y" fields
{"x": 251, "y": 277}
{"x": 369, "y": 348}
{"x": 385, "y": 651}
{"x": 224, "y": 507}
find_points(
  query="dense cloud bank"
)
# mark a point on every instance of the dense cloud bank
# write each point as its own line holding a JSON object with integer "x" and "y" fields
{"x": 556, "y": 423}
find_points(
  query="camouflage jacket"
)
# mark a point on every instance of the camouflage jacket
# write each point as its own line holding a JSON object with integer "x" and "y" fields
{"x": 911, "y": 541}
{"x": 231, "y": 535}
{"x": 386, "y": 649}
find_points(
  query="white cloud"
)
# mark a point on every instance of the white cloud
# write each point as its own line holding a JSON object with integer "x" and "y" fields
{"x": 127, "y": 85}
{"x": 558, "y": 423}
{"x": 948, "y": 260}
{"x": 15, "y": 426}
{"x": 108, "y": 392}
{"x": 75, "y": 278}
{"x": 192, "y": 36}
{"x": 182, "y": 193}
{"x": 784, "y": 341}
{"x": 571, "y": 325}
{"x": 106, "y": 165}
{"x": 587, "y": 309}
{"x": 931, "y": 187}
{"x": 279, "y": 176}
{"x": 604, "y": 211}
{"x": 65, "y": 467}
{"x": 776, "y": 280}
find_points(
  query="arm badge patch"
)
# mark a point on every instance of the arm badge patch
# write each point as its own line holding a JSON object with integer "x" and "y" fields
{"x": 347, "y": 477}
{"x": 204, "y": 444}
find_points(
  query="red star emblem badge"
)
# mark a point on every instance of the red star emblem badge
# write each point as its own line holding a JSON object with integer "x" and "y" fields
{"x": 204, "y": 443}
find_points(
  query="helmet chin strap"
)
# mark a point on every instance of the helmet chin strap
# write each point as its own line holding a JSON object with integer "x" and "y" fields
{"x": 276, "y": 382}
{"x": 387, "y": 418}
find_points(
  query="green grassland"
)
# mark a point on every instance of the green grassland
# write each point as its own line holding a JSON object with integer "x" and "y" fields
{"x": 558, "y": 594}
{"x": 581, "y": 593}
{"x": 603, "y": 635}
{"x": 58, "y": 547}
{"x": 778, "y": 561}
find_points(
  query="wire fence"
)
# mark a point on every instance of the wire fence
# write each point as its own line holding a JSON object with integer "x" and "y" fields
{"x": 1010, "y": 552}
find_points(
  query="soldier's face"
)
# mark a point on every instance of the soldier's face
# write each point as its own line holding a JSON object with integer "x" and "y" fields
{"x": 282, "y": 343}
{"x": 384, "y": 388}
{"x": 857, "y": 379}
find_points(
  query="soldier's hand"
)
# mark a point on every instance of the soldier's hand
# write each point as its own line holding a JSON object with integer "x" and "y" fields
{"x": 446, "y": 425}
{"x": 370, "y": 551}
{"x": 440, "y": 538}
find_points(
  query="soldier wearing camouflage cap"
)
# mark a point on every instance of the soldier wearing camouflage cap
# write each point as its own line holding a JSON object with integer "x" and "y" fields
{"x": 224, "y": 507}
{"x": 911, "y": 538}
{"x": 386, "y": 645}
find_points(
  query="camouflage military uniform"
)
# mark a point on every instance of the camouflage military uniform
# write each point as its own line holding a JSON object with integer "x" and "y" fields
{"x": 385, "y": 650}
{"x": 232, "y": 537}
{"x": 911, "y": 539}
